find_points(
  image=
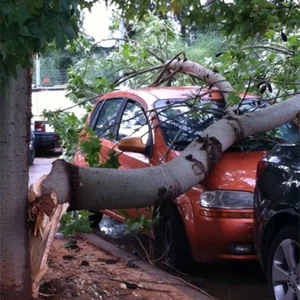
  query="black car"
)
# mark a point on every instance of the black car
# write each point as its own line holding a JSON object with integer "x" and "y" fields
{"x": 31, "y": 147}
{"x": 277, "y": 220}
{"x": 44, "y": 140}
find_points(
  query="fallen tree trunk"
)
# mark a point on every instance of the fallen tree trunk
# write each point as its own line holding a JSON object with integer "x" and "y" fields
{"x": 95, "y": 189}
{"x": 213, "y": 78}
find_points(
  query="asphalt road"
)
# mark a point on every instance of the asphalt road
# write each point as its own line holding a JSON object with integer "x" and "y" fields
{"x": 232, "y": 281}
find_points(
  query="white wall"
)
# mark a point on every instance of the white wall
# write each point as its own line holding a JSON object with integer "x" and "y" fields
{"x": 52, "y": 100}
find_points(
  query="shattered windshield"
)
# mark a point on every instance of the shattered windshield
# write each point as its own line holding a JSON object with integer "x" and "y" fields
{"x": 286, "y": 133}
{"x": 182, "y": 120}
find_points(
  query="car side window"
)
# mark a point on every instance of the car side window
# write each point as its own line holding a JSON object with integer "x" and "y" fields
{"x": 133, "y": 122}
{"x": 106, "y": 122}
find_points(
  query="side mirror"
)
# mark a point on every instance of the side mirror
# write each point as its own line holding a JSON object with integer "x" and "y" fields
{"x": 132, "y": 144}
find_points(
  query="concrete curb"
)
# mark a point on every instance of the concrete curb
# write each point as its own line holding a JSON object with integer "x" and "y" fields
{"x": 194, "y": 293}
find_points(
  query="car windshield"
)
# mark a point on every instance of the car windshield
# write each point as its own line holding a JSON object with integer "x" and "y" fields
{"x": 182, "y": 120}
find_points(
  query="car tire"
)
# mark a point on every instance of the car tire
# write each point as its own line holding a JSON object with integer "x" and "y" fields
{"x": 95, "y": 218}
{"x": 283, "y": 271}
{"x": 31, "y": 157}
{"x": 175, "y": 246}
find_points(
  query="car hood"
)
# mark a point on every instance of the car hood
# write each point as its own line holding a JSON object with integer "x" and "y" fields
{"x": 234, "y": 171}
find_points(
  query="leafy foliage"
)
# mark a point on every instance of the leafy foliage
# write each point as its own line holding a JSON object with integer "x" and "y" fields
{"x": 140, "y": 224}
{"x": 69, "y": 127}
{"x": 150, "y": 42}
{"x": 273, "y": 58}
{"x": 90, "y": 145}
{"x": 96, "y": 72}
{"x": 27, "y": 26}
{"x": 200, "y": 45}
{"x": 272, "y": 63}
{"x": 242, "y": 18}
{"x": 262, "y": 38}
{"x": 87, "y": 78}
{"x": 54, "y": 64}
{"x": 112, "y": 161}
{"x": 77, "y": 221}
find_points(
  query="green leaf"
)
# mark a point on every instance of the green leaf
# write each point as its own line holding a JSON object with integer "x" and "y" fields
{"x": 233, "y": 99}
{"x": 65, "y": 7}
{"x": 59, "y": 33}
{"x": 22, "y": 13}
{"x": 8, "y": 8}
{"x": 77, "y": 221}
{"x": 112, "y": 162}
{"x": 90, "y": 146}
{"x": 10, "y": 32}
{"x": 69, "y": 32}
{"x": 24, "y": 31}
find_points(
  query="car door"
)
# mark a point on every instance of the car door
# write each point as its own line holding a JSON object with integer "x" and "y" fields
{"x": 134, "y": 123}
{"x": 113, "y": 120}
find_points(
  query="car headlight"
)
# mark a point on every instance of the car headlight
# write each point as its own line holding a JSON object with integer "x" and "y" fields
{"x": 227, "y": 199}
{"x": 31, "y": 145}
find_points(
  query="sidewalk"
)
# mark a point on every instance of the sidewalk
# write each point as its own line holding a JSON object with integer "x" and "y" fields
{"x": 40, "y": 167}
{"x": 91, "y": 268}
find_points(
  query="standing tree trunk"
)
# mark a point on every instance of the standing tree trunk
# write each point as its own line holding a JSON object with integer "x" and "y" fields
{"x": 15, "y": 115}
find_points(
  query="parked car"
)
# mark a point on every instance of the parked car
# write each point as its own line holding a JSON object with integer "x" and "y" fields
{"x": 213, "y": 221}
{"x": 277, "y": 220}
{"x": 45, "y": 137}
{"x": 49, "y": 99}
{"x": 31, "y": 147}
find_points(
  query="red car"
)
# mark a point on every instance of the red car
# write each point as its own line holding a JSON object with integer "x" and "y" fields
{"x": 214, "y": 220}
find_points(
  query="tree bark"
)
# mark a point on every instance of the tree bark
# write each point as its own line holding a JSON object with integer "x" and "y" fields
{"x": 213, "y": 78}
{"x": 95, "y": 189}
{"x": 15, "y": 115}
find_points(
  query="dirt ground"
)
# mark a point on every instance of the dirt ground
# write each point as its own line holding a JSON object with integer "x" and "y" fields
{"x": 79, "y": 270}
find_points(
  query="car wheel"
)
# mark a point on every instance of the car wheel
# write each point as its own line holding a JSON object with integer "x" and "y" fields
{"x": 283, "y": 268}
{"x": 175, "y": 245}
{"x": 95, "y": 218}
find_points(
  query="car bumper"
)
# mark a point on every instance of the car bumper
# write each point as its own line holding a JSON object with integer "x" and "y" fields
{"x": 223, "y": 238}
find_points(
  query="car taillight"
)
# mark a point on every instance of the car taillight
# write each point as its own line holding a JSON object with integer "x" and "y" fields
{"x": 39, "y": 126}
{"x": 55, "y": 138}
{"x": 260, "y": 168}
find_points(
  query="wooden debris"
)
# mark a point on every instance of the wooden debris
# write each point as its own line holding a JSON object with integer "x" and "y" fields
{"x": 45, "y": 214}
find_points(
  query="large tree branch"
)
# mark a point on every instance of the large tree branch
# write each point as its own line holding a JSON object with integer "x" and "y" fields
{"x": 91, "y": 188}
{"x": 213, "y": 78}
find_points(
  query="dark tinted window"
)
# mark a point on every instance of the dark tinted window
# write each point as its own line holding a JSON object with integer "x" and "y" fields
{"x": 106, "y": 122}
